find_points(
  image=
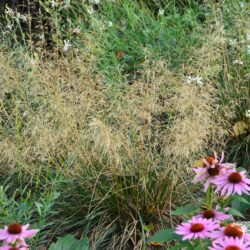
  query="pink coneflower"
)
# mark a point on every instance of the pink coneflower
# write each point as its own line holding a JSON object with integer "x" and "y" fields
{"x": 13, "y": 248}
{"x": 212, "y": 167}
{"x": 19, "y": 245}
{"x": 196, "y": 228}
{"x": 231, "y": 230}
{"x": 230, "y": 243}
{"x": 213, "y": 214}
{"x": 232, "y": 182}
{"x": 15, "y": 232}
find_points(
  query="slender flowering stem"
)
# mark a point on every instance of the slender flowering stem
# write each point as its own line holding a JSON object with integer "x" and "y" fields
{"x": 192, "y": 243}
{"x": 210, "y": 196}
{"x": 201, "y": 244}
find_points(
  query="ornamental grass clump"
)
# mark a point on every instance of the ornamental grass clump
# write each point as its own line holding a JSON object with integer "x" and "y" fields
{"x": 214, "y": 227}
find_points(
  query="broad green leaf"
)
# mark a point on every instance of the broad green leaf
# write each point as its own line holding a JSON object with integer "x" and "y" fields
{"x": 241, "y": 199}
{"x": 81, "y": 244}
{"x": 241, "y": 207}
{"x": 235, "y": 212}
{"x": 189, "y": 209}
{"x": 164, "y": 236}
{"x": 63, "y": 243}
{"x": 70, "y": 243}
{"x": 240, "y": 203}
{"x": 182, "y": 245}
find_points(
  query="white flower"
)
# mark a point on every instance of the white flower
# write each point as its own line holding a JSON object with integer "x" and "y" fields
{"x": 161, "y": 12}
{"x": 247, "y": 113}
{"x": 197, "y": 79}
{"x": 189, "y": 79}
{"x": 67, "y": 45}
{"x": 239, "y": 62}
{"x": 110, "y": 24}
{"x": 67, "y": 3}
{"x": 53, "y": 3}
{"x": 23, "y": 18}
{"x": 77, "y": 30}
{"x": 232, "y": 42}
{"x": 9, "y": 26}
{"x": 33, "y": 61}
{"x": 9, "y": 11}
{"x": 248, "y": 49}
{"x": 91, "y": 10}
{"x": 94, "y": 1}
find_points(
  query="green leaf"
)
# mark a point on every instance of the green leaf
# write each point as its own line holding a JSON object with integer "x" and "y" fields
{"x": 204, "y": 246}
{"x": 81, "y": 244}
{"x": 182, "y": 245}
{"x": 235, "y": 212}
{"x": 240, "y": 203}
{"x": 70, "y": 243}
{"x": 164, "y": 236}
{"x": 148, "y": 227}
{"x": 239, "y": 169}
{"x": 63, "y": 243}
{"x": 189, "y": 209}
{"x": 240, "y": 199}
{"x": 38, "y": 206}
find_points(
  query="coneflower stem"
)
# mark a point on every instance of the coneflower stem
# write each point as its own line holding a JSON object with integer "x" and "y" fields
{"x": 201, "y": 244}
{"x": 209, "y": 198}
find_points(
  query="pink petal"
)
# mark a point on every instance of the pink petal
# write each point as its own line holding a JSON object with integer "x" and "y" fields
{"x": 29, "y": 233}
{"x": 3, "y": 234}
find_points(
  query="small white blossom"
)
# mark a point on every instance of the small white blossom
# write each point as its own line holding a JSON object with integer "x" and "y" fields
{"x": 189, "y": 79}
{"x": 110, "y": 24}
{"x": 33, "y": 61}
{"x": 239, "y": 62}
{"x": 161, "y": 12}
{"x": 197, "y": 79}
{"x": 91, "y": 10}
{"x": 232, "y": 42}
{"x": 248, "y": 113}
{"x": 242, "y": 4}
{"x": 66, "y": 3}
{"x": 9, "y": 26}
{"x": 53, "y": 3}
{"x": 9, "y": 11}
{"x": 67, "y": 45}
{"x": 77, "y": 30}
{"x": 23, "y": 18}
{"x": 94, "y": 1}
{"x": 248, "y": 49}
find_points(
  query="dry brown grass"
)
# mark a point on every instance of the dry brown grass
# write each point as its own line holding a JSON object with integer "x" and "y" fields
{"x": 57, "y": 114}
{"x": 72, "y": 107}
{"x": 62, "y": 116}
